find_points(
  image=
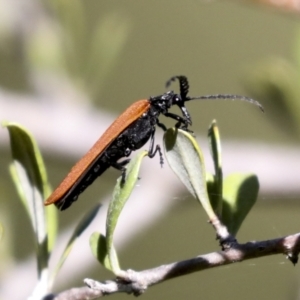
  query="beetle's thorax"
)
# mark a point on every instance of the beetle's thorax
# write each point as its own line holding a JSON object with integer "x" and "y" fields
{"x": 162, "y": 103}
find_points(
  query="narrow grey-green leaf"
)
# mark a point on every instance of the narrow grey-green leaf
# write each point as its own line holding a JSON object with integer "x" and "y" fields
{"x": 52, "y": 225}
{"x": 80, "y": 228}
{"x": 215, "y": 145}
{"x": 240, "y": 194}
{"x": 213, "y": 193}
{"x": 186, "y": 160}
{"x": 25, "y": 150}
{"x": 51, "y": 212}
{"x": 99, "y": 250}
{"x": 30, "y": 178}
{"x": 215, "y": 149}
{"x": 120, "y": 196}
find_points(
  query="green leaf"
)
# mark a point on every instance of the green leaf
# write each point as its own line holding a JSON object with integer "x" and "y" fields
{"x": 30, "y": 178}
{"x": 99, "y": 250}
{"x": 240, "y": 194}
{"x": 52, "y": 225}
{"x": 80, "y": 228}
{"x": 216, "y": 189}
{"x": 215, "y": 146}
{"x": 120, "y": 196}
{"x": 26, "y": 152}
{"x": 213, "y": 194}
{"x": 31, "y": 160}
{"x": 186, "y": 160}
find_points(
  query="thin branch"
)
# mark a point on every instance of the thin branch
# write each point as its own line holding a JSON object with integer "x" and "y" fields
{"x": 136, "y": 283}
{"x": 223, "y": 235}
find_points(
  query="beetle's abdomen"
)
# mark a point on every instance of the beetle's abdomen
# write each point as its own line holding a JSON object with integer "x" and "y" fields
{"x": 87, "y": 178}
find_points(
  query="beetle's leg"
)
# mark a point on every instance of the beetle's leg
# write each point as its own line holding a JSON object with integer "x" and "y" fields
{"x": 121, "y": 167}
{"x": 161, "y": 158}
{"x": 180, "y": 120}
{"x": 152, "y": 151}
{"x": 162, "y": 126}
{"x": 121, "y": 164}
{"x": 185, "y": 112}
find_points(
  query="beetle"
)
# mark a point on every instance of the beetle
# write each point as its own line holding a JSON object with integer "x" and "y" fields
{"x": 129, "y": 132}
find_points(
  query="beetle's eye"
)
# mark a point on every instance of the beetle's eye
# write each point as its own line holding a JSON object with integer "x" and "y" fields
{"x": 177, "y": 99}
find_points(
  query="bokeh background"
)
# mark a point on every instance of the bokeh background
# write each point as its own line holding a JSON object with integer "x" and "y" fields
{"x": 69, "y": 67}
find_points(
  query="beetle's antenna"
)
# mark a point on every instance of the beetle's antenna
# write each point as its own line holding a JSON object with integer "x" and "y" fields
{"x": 184, "y": 89}
{"x": 225, "y": 97}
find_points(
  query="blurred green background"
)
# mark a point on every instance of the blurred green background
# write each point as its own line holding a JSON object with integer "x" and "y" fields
{"x": 111, "y": 53}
